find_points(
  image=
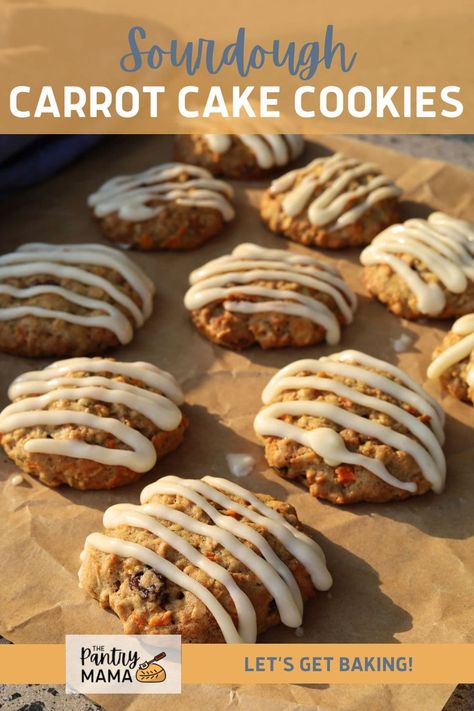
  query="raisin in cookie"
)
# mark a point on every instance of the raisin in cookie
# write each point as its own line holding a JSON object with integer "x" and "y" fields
{"x": 423, "y": 268}
{"x": 352, "y": 428}
{"x": 205, "y": 559}
{"x": 246, "y": 156}
{"x": 92, "y": 423}
{"x": 170, "y": 206}
{"x": 453, "y": 360}
{"x": 269, "y": 297}
{"x": 70, "y": 300}
{"x": 333, "y": 202}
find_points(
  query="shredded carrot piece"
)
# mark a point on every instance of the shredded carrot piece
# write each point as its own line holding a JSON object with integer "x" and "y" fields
{"x": 230, "y": 512}
{"x": 137, "y": 619}
{"x": 161, "y": 619}
{"x": 146, "y": 241}
{"x": 345, "y": 475}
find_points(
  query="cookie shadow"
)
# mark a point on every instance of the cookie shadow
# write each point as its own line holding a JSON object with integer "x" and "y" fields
{"x": 367, "y": 615}
{"x": 446, "y": 515}
{"x": 397, "y": 337}
{"x": 203, "y": 452}
{"x": 412, "y": 208}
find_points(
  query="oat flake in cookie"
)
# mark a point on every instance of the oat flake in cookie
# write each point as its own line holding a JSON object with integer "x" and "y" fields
{"x": 352, "y": 428}
{"x": 92, "y": 423}
{"x": 453, "y": 360}
{"x": 423, "y": 268}
{"x": 206, "y": 559}
{"x": 70, "y": 300}
{"x": 269, "y": 297}
{"x": 244, "y": 156}
{"x": 333, "y": 202}
{"x": 169, "y": 206}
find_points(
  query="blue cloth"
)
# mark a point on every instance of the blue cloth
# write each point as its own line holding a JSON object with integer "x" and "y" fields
{"x": 26, "y": 160}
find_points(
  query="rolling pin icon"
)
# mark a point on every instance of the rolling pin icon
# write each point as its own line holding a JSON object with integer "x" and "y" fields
{"x": 151, "y": 672}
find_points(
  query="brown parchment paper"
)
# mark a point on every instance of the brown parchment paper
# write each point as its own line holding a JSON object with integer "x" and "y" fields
{"x": 403, "y": 572}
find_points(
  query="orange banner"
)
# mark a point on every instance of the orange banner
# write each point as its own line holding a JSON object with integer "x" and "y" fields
{"x": 72, "y": 66}
{"x": 271, "y": 664}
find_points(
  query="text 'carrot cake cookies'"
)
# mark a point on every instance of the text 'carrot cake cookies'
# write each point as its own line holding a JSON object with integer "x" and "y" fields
{"x": 453, "y": 360}
{"x": 92, "y": 423}
{"x": 204, "y": 558}
{"x": 333, "y": 202}
{"x": 352, "y": 428}
{"x": 68, "y": 300}
{"x": 169, "y": 206}
{"x": 423, "y": 268}
{"x": 269, "y": 297}
{"x": 245, "y": 156}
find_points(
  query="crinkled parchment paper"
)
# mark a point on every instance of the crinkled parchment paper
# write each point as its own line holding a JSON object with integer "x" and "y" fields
{"x": 403, "y": 572}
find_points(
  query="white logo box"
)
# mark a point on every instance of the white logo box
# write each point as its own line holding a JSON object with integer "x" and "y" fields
{"x": 123, "y": 664}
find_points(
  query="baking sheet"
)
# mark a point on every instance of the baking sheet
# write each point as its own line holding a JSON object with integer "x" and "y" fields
{"x": 403, "y": 572}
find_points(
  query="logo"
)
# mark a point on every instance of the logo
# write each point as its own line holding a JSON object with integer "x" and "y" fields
{"x": 123, "y": 664}
{"x": 151, "y": 672}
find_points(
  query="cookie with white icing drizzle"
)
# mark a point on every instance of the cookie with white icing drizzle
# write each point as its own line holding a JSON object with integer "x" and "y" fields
{"x": 168, "y": 206}
{"x": 334, "y": 202}
{"x": 269, "y": 297}
{"x": 92, "y": 423}
{"x": 203, "y": 558}
{"x": 352, "y": 428}
{"x": 423, "y": 268}
{"x": 70, "y": 300}
{"x": 453, "y": 360}
{"x": 243, "y": 156}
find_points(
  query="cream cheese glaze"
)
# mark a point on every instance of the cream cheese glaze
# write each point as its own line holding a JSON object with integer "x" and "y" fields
{"x": 62, "y": 381}
{"x": 444, "y": 245}
{"x": 323, "y": 189}
{"x": 424, "y": 447}
{"x": 70, "y": 262}
{"x": 270, "y": 150}
{"x": 454, "y": 354}
{"x": 143, "y": 196}
{"x": 207, "y": 494}
{"x": 231, "y": 277}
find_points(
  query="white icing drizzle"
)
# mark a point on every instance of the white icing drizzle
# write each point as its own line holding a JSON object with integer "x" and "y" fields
{"x": 402, "y": 343}
{"x": 70, "y": 262}
{"x": 470, "y": 378}
{"x": 144, "y": 195}
{"x": 231, "y": 277}
{"x": 16, "y": 480}
{"x": 442, "y": 243}
{"x": 38, "y": 389}
{"x": 270, "y": 150}
{"x": 229, "y": 533}
{"x": 327, "y": 443}
{"x": 335, "y": 200}
{"x": 240, "y": 464}
{"x": 454, "y": 354}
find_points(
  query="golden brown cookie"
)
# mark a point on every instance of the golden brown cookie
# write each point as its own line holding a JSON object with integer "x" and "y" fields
{"x": 169, "y": 206}
{"x": 70, "y": 300}
{"x": 334, "y": 202}
{"x": 245, "y": 157}
{"x": 423, "y": 268}
{"x": 453, "y": 360}
{"x": 205, "y": 559}
{"x": 269, "y": 297}
{"x": 352, "y": 428}
{"x": 92, "y": 423}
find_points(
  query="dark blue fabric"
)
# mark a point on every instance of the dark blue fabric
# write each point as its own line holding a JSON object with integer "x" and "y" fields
{"x": 26, "y": 160}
